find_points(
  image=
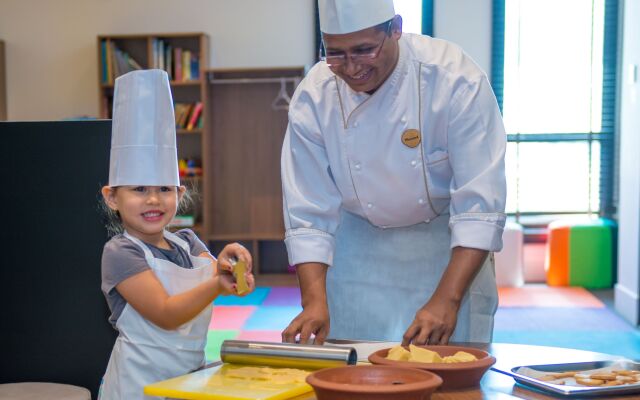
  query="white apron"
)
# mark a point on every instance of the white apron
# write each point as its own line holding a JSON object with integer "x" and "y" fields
{"x": 380, "y": 277}
{"x": 145, "y": 353}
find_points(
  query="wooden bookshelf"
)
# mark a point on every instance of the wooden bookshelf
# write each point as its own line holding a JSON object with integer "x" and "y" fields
{"x": 3, "y": 84}
{"x": 115, "y": 50}
{"x": 187, "y": 89}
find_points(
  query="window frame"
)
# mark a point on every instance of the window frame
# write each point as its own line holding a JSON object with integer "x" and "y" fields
{"x": 607, "y": 136}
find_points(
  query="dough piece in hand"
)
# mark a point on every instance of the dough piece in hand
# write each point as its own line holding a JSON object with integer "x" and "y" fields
{"x": 239, "y": 269}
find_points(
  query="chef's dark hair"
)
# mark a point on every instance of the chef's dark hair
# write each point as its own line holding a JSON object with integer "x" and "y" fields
{"x": 113, "y": 222}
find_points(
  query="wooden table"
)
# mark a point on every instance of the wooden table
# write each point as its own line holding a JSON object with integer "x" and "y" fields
{"x": 495, "y": 385}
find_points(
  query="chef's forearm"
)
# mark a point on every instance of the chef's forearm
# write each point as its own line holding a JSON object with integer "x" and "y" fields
{"x": 312, "y": 278}
{"x": 464, "y": 265}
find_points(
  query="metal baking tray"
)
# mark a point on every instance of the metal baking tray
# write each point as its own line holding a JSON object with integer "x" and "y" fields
{"x": 576, "y": 391}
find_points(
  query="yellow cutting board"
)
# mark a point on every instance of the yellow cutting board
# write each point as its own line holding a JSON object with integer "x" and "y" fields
{"x": 215, "y": 383}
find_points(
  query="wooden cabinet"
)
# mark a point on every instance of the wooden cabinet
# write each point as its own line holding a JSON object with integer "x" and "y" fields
{"x": 247, "y": 118}
{"x": 184, "y": 56}
{"x": 3, "y": 84}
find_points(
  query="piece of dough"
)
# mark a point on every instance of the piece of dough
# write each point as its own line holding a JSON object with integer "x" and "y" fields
{"x": 419, "y": 354}
{"x": 398, "y": 353}
{"x": 239, "y": 269}
{"x": 460, "y": 356}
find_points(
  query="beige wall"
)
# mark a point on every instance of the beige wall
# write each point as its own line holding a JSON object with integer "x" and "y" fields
{"x": 51, "y": 53}
{"x": 51, "y": 45}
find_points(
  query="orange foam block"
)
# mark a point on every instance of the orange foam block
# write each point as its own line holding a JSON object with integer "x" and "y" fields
{"x": 557, "y": 260}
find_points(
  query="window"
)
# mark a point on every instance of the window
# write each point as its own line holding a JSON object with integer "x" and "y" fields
{"x": 417, "y": 15}
{"x": 553, "y": 72}
{"x": 411, "y": 12}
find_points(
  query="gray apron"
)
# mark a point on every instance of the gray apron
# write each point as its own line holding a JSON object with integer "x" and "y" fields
{"x": 381, "y": 277}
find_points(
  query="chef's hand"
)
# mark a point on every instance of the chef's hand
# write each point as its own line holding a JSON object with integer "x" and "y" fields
{"x": 434, "y": 322}
{"x": 313, "y": 320}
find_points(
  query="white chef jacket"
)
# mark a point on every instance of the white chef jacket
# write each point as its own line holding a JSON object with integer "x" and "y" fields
{"x": 343, "y": 149}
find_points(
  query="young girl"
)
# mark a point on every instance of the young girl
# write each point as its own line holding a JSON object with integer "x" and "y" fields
{"x": 159, "y": 285}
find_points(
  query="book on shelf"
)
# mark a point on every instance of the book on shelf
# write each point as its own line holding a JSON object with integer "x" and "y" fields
{"x": 195, "y": 116}
{"x": 186, "y": 65}
{"x": 177, "y": 63}
{"x": 115, "y": 62}
{"x": 168, "y": 52}
{"x": 195, "y": 67}
{"x": 188, "y": 115}
{"x": 180, "y": 64}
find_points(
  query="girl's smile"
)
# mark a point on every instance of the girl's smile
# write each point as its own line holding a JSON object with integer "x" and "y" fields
{"x": 145, "y": 210}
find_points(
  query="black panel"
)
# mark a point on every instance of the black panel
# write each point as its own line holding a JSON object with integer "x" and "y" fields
{"x": 54, "y": 316}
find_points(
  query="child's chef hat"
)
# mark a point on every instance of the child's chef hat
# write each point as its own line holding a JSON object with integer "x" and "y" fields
{"x": 143, "y": 131}
{"x": 346, "y": 16}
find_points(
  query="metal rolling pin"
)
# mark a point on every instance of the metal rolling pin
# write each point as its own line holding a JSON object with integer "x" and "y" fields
{"x": 286, "y": 354}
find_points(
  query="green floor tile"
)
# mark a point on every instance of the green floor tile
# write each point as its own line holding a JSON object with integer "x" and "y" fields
{"x": 214, "y": 341}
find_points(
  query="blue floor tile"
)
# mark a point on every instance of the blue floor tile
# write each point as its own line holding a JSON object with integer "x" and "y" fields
{"x": 271, "y": 318}
{"x": 561, "y": 319}
{"x": 254, "y": 298}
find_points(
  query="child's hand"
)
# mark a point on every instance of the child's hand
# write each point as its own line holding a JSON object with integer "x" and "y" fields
{"x": 235, "y": 252}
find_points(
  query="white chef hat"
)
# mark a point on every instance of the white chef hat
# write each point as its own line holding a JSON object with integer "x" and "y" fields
{"x": 346, "y": 16}
{"x": 143, "y": 131}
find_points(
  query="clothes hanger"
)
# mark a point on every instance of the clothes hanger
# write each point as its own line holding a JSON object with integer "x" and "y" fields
{"x": 282, "y": 100}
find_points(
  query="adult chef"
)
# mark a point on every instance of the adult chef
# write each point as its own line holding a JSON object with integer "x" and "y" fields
{"x": 393, "y": 184}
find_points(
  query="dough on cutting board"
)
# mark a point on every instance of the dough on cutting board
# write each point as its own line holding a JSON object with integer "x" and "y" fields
{"x": 273, "y": 375}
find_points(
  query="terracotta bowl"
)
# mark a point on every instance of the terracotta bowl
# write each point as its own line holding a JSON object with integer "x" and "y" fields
{"x": 373, "y": 382}
{"x": 454, "y": 375}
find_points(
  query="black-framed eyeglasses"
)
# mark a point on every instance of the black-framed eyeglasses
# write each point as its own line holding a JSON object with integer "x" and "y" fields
{"x": 358, "y": 56}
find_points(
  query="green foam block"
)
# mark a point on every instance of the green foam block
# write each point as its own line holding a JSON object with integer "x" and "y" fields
{"x": 591, "y": 254}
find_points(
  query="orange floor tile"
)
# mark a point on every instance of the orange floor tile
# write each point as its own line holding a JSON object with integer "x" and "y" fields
{"x": 543, "y": 296}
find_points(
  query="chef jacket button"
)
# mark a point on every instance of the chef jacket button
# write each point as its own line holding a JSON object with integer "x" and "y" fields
{"x": 355, "y": 124}
{"x": 369, "y": 205}
{"x": 413, "y": 163}
{"x": 420, "y": 201}
{"x": 403, "y": 119}
{"x": 358, "y": 166}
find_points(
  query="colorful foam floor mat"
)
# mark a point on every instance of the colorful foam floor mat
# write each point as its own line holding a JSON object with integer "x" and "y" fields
{"x": 538, "y": 315}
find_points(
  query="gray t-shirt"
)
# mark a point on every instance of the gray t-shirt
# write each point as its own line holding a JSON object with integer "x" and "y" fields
{"x": 121, "y": 259}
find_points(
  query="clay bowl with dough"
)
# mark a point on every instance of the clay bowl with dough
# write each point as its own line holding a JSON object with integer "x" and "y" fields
{"x": 454, "y": 375}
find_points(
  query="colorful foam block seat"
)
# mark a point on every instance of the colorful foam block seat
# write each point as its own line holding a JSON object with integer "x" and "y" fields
{"x": 509, "y": 261}
{"x": 581, "y": 253}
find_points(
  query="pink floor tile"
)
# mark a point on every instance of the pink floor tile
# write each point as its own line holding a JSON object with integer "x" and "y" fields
{"x": 230, "y": 317}
{"x": 544, "y": 296}
{"x": 261, "y": 336}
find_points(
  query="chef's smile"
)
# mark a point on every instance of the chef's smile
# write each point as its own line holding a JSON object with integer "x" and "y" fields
{"x": 363, "y": 59}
